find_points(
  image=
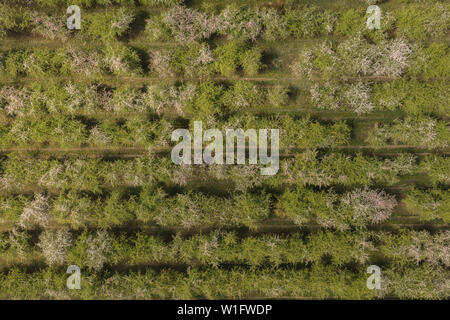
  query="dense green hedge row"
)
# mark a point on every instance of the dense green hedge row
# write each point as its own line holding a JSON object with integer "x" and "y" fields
{"x": 319, "y": 282}
{"x": 306, "y": 169}
{"x": 98, "y": 250}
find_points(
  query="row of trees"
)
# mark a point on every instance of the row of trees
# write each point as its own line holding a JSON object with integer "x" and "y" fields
{"x": 69, "y": 131}
{"x": 235, "y": 22}
{"x": 98, "y": 250}
{"x": 410, "y": 96}
{"x": 429, "y": 205}
{"x": 251, "y": 23}
{"x": 199, "y": 60}
{"x": 70, "y": 98}
{"x": 356, "y": 208}
{"x": 319, "y": 282}
{"x": 39, "y": 62}
{"x": 219, "y": 98}
{"x": 294, "y": 133}
{"x": 196, "y": 60}
{"x": 307, "y": 168}
{"x": 356, "y": 57}
{"x": 415, "y": 131}
{"x": 105, "y": 25}
{"x": 151, "y": 205}
{"x": 66, "y": 132}
{"x": 351, "y": 58}
{"x": 93, "y": 3}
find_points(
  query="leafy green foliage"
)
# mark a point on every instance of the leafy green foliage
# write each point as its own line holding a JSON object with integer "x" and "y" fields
{"x": 232, "y": 55}
{"x": 429, "y": 205}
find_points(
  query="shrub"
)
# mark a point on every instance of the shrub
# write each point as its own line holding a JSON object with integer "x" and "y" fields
{"x": 419, "y": 23}
{"x": 108, "y": 25}
{"x": 13, "y": 19}
{"x": 412, "y": 96}
{"x": 302, "y": 205}
{"x": 37, "y": 62}
{"x": 351, "y": 22}
{"x": 228, "y": 58}
{"x": 251, "y": 61}
{"x": 369, "y": 206}
{"x": 411, "y": 248}
{"x": 418, "y": 131}
{"x": 192, "y": 61}
{"x": 278, "y": 96}
{"x": 389, "y": 58}
{"x": 432, "y": 61}
{"x": 87, "y": 63}
{"x": 36, "y": 213}
{"x": 174, "y": 98}
{"x": 335, "y": 96}
{"x": 13, "y": 101}
{"x": 233, "y": 54}
{"x": 243, "y": 95}
{"x": 437, "y": 168}
{"x": 122, "y": 60}
{"x": 49, "y": 27}
{"x": 275, "y": 25}
{"x": 91, "y": 251}
{"x": 54, "y": 245}
{"x": 355, "y": 57}
{"x": 240, "y": 23}
{"x": 358, "y": 208}
{"x": 183, "y": 24}
{"x": 429, "y": 205}
{"x": 310, "y": 22}
{"x": 160, "y": 63}
{"x": 207, "y": 100}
